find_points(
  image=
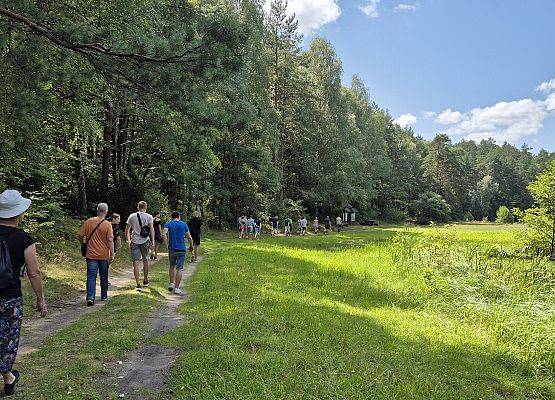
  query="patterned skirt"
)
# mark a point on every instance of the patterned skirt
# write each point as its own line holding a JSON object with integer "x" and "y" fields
{"x": 11, "y": 315}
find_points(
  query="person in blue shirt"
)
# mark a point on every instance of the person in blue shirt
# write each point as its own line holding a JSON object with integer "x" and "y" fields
{"x": 175, "y": 233}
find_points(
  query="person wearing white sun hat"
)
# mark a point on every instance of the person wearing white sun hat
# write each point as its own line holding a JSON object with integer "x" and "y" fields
{"x": 17, "y": 249}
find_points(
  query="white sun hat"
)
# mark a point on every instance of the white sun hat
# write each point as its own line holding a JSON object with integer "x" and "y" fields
{"x": 12, "y": 203}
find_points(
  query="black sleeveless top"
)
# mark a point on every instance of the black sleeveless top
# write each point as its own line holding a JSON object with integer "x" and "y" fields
{"x": 18, "y": 241}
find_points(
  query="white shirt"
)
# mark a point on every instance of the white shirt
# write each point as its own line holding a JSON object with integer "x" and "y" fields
{"x": 146, "y": 220}
{"x": 304, "y": 223}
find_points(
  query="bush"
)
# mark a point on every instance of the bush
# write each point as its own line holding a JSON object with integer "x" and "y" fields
{"x": 468, "y": 217}
{"x": 504, "y": 216}
{"x": 430, "y": 206}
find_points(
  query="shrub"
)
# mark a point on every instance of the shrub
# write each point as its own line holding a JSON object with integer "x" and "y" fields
{"x": 468, "y": 217}
{"x": 430, "y": 206}
{"x": 504, "y": 216}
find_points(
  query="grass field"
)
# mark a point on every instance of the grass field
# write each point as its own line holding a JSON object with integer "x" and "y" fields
{"x": 359, "y": 315}
{"x": 373, "y": 313}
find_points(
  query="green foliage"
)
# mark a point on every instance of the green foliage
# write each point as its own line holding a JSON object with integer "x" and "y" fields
{"x": 430, "y": 206}
{"x": 468, "y": 217}
{"x": 504, "y": 216}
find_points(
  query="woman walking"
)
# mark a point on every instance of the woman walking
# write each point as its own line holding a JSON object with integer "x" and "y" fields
{"x": 195, "y": 224}
{"x": 158, "y": 240}
{"x": 17, "y": 249}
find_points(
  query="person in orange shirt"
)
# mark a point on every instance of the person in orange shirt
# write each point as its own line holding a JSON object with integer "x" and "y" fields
{"x": 97, "y": 233}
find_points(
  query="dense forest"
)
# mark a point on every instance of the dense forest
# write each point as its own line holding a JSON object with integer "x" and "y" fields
{"x": 218, "y": 106}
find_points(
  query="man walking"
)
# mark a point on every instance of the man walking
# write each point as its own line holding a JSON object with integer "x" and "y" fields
{"x": 140, "y": 239}
{"x": 288, "y": 222}
{"x": 304, "y": 224}
{"x": 175, "y": 232}
{"x": 98, "y": 235}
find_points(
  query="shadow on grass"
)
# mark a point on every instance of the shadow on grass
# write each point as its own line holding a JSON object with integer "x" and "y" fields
{"x": 269, "y": 325}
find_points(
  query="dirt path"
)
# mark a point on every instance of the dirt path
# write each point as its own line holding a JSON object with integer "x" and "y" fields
{"x": 64, "y": 313}
{"x": 144, "y": 371}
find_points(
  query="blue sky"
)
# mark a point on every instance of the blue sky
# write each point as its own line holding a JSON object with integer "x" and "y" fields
{"x": 470, "y": 68}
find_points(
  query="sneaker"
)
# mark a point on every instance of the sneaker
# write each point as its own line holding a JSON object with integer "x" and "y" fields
{"x": 152, "y": 257}
{"x": 171, "y": 287}
{"x": 138, "y": 288}
{"x": 90, "y": 303}
{"x": 177, "y": 291}
{"x": 9, "y": 389}
{"x": 146, "y": 283}
{"x": 155, "y": 258}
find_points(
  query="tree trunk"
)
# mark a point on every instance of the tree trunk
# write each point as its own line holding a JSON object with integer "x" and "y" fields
{"x": 106, "y": 154}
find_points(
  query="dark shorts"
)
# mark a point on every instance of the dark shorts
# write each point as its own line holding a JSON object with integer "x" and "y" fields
{"x": 140, "y": 251}
{"x": 177, "y": 259}
{"x": 11, "y": 315}
{"x": 196, "y": 239}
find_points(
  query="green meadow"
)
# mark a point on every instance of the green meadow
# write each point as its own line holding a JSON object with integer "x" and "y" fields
{"x": 447, "y": 312}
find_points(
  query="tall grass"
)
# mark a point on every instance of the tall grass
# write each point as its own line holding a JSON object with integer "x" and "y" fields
{"x": 488, "y": 282}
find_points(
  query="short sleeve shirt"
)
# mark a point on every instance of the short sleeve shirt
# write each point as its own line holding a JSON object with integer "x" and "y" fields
{"x": 176, "y": 235}
{"x": 98, "y": 247}
{"x": 18, "y": 241}
{"x": 133, "y": 221}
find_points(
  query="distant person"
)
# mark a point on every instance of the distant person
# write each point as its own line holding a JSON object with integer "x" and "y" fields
{"x": 288, "y": 222}
{"x": 158, "y": 240}
{"x": 242, "y": 224}
{"x": 275, "y": 225}
{"x": 116, "y": 230}
{"x": 175, "y": 232}
{"x": 304, "y": 224}
{"x": 316, "y": 225}
{"x": 327, "y": 225}
{"x": 98, "y": 236}
{"x": 250, "y": 227}
{"x": 21, "y": 252}
{"x": 257, "y": 228}
{"x": 140, "y": 238}
{"x": 299, "y": 226}
{"x": 339, "y": 223}
{"x": 195, "y": 224}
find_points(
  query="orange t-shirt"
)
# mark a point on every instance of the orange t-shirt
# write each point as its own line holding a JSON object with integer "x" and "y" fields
{"x": 98, "y": 247}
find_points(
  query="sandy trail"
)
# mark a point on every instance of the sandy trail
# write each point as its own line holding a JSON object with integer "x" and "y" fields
{"x": 144, "y": 371}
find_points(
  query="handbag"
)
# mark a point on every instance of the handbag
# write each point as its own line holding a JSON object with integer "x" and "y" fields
{"x": 84, "y": 246}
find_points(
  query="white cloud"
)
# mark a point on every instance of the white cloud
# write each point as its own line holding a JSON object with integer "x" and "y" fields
{"x": 550, "y": 102}
{"x": 370, "y": 8}
{"x": 405, "y": 7}
{"x": 449, "y": 117}
{"x": 429, "y": 114}
{"x": 547, "y": 86}
{"x": 406, "y": 119}
{"x": 504, "y": 121}
{"x": 312, "y": 14}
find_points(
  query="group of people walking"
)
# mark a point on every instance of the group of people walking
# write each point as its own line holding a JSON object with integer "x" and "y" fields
{"x": 100, "y": 238}
{"x": 252, "y": 228}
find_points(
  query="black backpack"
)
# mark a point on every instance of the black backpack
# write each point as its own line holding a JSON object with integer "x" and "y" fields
{"x": 145, "y": 229}
{"x": 7, "y": 275}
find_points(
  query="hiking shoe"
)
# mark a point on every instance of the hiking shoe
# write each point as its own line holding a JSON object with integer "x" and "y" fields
{"x": 146, "y": 283}
{"x": 9, "y": 389}
{"x": 171, "y": 287}
{"x": 177, "y": 291}
{"x": 90, "y": 303}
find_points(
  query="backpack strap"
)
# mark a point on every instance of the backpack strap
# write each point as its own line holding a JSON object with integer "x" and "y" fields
{"x": 140, "y": 222}
{"x": 94, "y": 230}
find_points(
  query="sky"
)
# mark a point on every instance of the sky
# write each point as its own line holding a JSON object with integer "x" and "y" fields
{"x": 473, "y": 69}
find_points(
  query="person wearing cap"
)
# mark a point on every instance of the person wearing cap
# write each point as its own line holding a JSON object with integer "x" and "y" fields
{"x": 22, "y": 253}
{"x": 99, "y": 236}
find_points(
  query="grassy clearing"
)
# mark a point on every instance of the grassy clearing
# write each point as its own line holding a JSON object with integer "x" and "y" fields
{"x": 353, "y": 316}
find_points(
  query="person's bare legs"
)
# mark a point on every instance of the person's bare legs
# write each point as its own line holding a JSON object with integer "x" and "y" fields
{"x": 195, "y": 252}
{"x": 156, "y": 244}
{"x": 172, "y": 275}
{"x": 136, "y": 272}
{"x": 178, "y": 276}
{"x": 9, "y": 378}
{"x": 145, "y": 269}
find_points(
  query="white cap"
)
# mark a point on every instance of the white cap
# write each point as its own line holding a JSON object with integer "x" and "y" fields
{"x": 12, "y": 203}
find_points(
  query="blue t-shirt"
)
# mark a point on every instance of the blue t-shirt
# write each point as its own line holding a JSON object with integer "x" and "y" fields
{"x": 176, "y": 235}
